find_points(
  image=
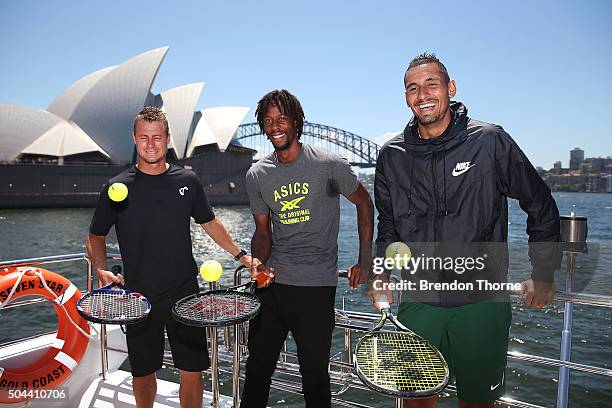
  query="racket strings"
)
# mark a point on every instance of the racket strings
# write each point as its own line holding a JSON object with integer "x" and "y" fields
{"x": 400, "y": 363}
{"x": 115, "y": 305}
{"x": 217, "y": 307}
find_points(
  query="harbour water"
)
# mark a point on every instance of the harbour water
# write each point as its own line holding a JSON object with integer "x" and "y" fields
{"x": 43, "y": 232}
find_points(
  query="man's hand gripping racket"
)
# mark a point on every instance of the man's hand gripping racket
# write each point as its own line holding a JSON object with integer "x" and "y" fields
{"x": 399, "y": 363}
{"x": 114, "y": 304}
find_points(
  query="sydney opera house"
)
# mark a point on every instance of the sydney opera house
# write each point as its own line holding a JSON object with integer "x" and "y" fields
{"x": 61, "y": 156}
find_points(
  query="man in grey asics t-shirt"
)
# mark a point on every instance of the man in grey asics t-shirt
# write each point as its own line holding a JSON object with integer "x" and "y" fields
{"x": 302, "y": 198}
{"x": 295, "y": 201}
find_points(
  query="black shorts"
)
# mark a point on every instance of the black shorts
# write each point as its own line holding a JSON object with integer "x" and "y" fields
{"x": 308, "y": 313}
{"x": 146, "y": 342}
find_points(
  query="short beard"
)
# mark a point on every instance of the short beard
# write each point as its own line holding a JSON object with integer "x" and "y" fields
{"x": 286, "y": 146}
{"x": 430, "y": 119}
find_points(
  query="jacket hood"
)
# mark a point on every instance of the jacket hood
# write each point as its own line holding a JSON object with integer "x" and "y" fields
{"x": 458, "y": 122}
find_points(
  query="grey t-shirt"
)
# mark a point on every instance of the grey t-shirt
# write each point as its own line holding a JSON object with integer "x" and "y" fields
{"x": 302, "y": 199}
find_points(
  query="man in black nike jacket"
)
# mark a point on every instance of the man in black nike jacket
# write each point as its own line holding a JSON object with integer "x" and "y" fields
{"x": 441, "y": 187}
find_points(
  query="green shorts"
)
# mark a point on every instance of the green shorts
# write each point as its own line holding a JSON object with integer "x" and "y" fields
{"x": 472, "y": 338}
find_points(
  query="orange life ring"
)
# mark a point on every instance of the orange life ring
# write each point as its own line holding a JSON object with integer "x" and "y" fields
{"x": 56, "y": 365}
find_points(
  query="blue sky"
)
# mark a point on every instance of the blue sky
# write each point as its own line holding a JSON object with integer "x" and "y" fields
{"x": 538, "y": 68}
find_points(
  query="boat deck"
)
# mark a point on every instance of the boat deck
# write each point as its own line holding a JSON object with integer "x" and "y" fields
{"x": 116, "y": 392}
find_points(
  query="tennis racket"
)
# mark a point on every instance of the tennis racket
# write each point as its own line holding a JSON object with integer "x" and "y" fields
{"x": 220, "y": 308}
{"x": 399, "y": 363}
{"x": 114, "y": 304}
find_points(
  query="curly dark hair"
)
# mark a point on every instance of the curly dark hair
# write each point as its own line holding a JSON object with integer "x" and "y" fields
{"x": 286, "y": 103}
{"x": 427, "y": 58}
{"x": 152, "y": 114}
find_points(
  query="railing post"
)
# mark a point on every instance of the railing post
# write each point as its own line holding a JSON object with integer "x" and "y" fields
{"x": 566, "y": 337}
{"x": 103, "y": 343}
{"x": 573, "y": 235}
{"x": 214, "y": 363}
{"x": 236, "y": 351}
{"x": 348, "y": 346}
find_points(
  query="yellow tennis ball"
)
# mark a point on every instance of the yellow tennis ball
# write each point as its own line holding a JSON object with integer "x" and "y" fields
{"x": 400, "y": 254}
{"x": 211, "y": 270}
{"x": 117, "y": 192}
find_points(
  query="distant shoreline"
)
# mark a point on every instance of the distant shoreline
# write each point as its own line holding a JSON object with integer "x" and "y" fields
{"x": 581, "y": 192}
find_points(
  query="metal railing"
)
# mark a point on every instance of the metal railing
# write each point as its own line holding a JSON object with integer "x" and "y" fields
{"x": 352, "y": 322}
{"x": 50, "y": 260}
{"x": 341, "y": 375}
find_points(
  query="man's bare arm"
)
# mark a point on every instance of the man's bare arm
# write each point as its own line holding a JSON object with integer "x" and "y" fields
{"x": 216, "y": 230}
{"x": 261, "y": 244}
{"x": 96, "y": 250}
{"x": 365, "y": 226}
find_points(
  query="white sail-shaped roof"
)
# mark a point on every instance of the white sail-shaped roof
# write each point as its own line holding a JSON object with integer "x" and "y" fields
{"x": 21, "y": 125}
{"x": 63, "y": 139}
{"x": 179, "y": 104}
{"x": 217, "y": 125}
{"x": 96, "y": 114}
{"x": 64, "y": 105}
{"x": 202, "y": 135}
{"x": 106, "y": 112}
{"x": 29, "y": 130}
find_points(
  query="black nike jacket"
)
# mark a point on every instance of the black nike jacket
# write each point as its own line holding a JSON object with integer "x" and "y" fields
{"x": 454, "y": 189}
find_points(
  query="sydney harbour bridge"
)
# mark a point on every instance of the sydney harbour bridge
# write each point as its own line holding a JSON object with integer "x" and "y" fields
{"x": 359, "y": 151}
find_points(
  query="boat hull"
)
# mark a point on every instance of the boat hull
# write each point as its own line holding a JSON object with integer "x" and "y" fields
{"x": 77, "y": 185}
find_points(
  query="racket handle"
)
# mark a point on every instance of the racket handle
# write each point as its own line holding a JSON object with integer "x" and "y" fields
{"x": 383, "y": 302}
{"x": 343, "y": 274}
{"x": 116, "y": 269}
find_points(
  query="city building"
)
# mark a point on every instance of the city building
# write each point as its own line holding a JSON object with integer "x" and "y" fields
{"x": 576, "y": 158}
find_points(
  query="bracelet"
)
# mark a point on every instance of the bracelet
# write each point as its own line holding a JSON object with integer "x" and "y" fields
{"x": 240, "y": 255}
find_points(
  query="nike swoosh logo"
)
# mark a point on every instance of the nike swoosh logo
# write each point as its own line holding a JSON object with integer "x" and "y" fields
{"x": 493, "y": 387}
{"x": 456, "y": 173}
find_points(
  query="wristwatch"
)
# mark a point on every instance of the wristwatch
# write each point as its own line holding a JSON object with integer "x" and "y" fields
{"x": 240, "y": 255}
